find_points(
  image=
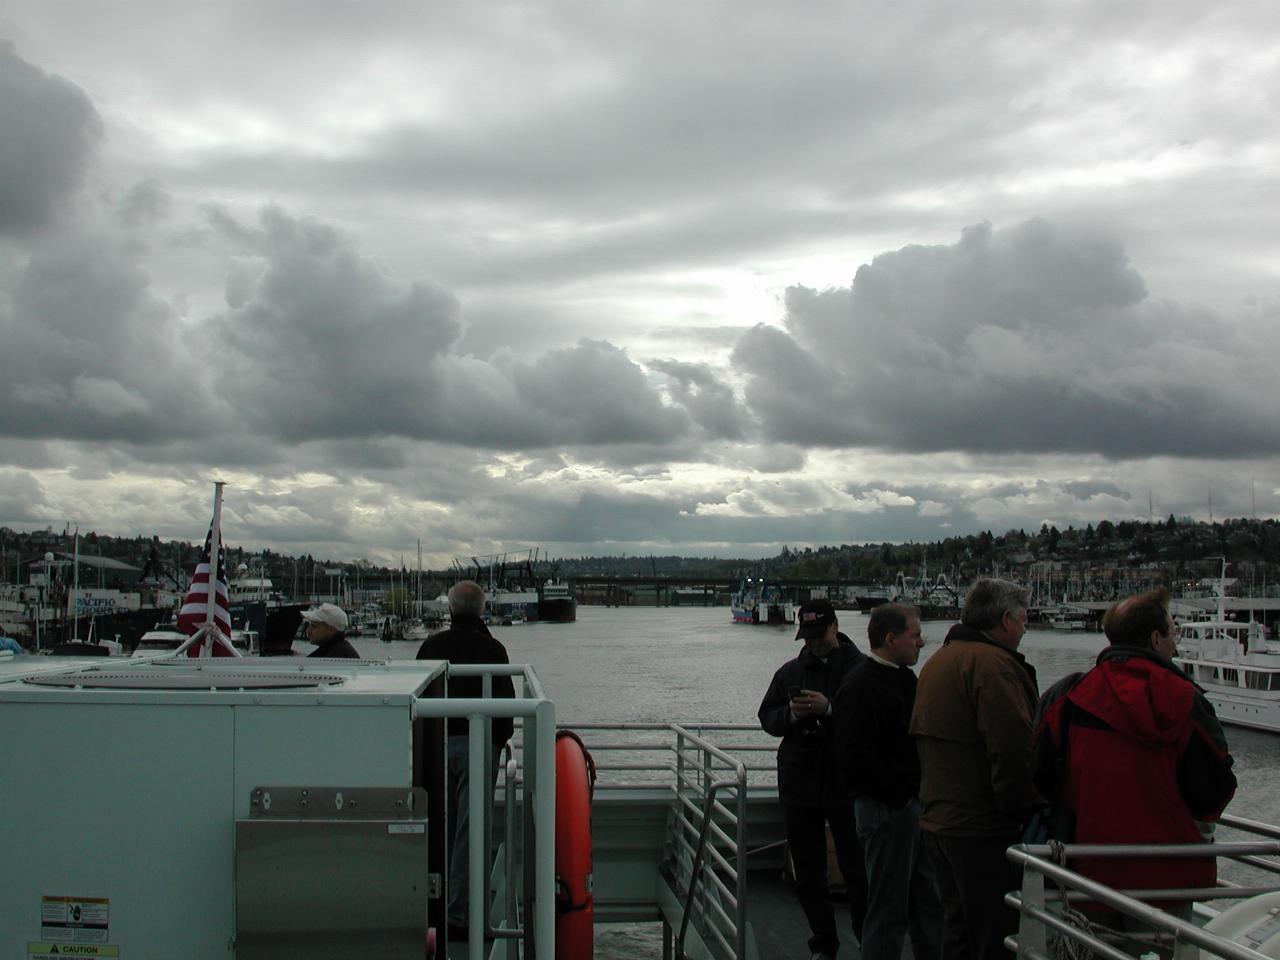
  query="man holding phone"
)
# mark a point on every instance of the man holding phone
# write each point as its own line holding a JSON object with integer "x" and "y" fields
{"x": 797, "y": 707}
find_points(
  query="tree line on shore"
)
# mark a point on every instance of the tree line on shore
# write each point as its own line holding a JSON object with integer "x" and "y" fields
{"x": 1177, "y": 548}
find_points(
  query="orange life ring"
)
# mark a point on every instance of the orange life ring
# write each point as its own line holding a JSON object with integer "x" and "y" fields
{"x": 575, "y": 905}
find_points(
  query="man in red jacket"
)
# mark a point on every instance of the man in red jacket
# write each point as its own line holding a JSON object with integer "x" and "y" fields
{"x": 1133, "y": 752}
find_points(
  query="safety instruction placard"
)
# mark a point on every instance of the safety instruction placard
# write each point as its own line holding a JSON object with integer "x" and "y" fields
{"x": 40, "y": 951}
{"x": 75, "y": 919}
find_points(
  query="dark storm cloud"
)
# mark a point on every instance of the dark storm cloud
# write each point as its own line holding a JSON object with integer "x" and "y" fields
{"x": 145, "y": 203}
{"x": 324, "y": 343}
{"x": 22, "y": 498}
{"x": 49, "y": 131}
{"x": 1084, "y": 489}
{"x": 708, "y": 399}
{"x": 1035, "y": 338}
{"x": 595, "y": 394}
{"x": 327, "y": 345}
{"x": 89, "y": 352}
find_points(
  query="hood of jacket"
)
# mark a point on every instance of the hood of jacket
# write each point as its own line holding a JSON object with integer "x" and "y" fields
{"x": 1138, "y": 693}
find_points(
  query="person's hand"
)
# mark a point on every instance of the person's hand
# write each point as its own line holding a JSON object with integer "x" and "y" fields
{"x": 809, "y": 703}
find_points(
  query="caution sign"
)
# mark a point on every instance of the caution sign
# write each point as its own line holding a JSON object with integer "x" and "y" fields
{"x": 75, "y": 920}
{"x": 37, "y": 950}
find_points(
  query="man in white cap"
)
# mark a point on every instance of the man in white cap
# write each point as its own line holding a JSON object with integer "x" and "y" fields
{"x": 327, "y": 629}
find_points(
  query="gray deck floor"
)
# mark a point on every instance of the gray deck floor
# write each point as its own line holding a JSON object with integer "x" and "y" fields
{"x": 779, "y": 924}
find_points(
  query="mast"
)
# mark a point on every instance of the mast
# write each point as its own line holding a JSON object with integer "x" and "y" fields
{"x": 76, "y": 588}
{"x": 215, "y": 555}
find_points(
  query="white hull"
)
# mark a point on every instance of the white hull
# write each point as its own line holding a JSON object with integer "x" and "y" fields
{"x": 1245, "y": 708}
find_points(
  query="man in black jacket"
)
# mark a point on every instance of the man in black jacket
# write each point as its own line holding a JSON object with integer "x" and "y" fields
{"x": 873, "y": 710}
{"x": 466, "y": 641}
{"x": 797, "y": 708}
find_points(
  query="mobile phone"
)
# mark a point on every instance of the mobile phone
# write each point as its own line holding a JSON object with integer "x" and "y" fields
{"x": 794, "y": 692}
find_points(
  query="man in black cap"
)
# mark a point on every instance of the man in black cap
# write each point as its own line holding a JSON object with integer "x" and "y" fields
{"x": 797, "y": 708}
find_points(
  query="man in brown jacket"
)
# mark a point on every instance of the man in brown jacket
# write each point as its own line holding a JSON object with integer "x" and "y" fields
{"x": 972, "y": 724}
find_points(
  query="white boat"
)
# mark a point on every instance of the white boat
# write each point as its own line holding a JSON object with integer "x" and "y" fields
{"x": 414, "y": 629}
{"x": 1066, "y": 617}
{"x": 1237, "y": 666}
{"x": 167, "y": 637}
{"x": 160, "y": 639}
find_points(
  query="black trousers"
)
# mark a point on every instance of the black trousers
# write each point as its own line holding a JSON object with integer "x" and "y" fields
{"x": 807, "y": 840}
{"x": 973, "y": 876}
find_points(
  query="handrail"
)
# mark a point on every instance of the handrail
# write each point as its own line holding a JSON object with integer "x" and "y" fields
{"x": 538, "y": 715}
{"x": 710, "y": 753}
{"x": 695, "y": 874}
{"x": 709, "y": 828}
{"x": 1048, "y": 861}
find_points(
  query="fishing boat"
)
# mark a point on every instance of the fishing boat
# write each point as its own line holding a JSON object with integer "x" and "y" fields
{"x": 512, "y": 604}
{"x": 757, "y": 601}
{"x": 935, "y": 598}
{"x": 556, "y": 603}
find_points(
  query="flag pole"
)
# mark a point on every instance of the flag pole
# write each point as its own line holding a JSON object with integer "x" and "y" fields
{"x": 76, "y": 602}
{"x": 215, "y": 555}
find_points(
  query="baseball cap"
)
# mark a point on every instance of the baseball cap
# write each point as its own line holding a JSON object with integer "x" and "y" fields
{"x": 328, "y": 613}
{"x": 814, "y": 617}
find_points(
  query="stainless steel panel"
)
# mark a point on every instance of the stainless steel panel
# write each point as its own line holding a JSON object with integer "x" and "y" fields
{"x": 324, "y": 889}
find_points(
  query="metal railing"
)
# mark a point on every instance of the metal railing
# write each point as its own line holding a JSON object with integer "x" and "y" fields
{"x": 709, "y": 782}
{"x": 1050, "y": 927}
{"x": 537, "y": 790}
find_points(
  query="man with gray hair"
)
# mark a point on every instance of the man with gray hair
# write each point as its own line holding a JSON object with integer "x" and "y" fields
{"x": 466, "y": 641}
{"x": 972, "y": 726}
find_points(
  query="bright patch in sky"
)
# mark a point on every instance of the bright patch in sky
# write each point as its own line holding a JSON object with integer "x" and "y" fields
{"x": 598, "y": 279}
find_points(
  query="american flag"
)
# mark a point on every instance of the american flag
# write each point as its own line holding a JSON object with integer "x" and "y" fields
{"x": 195, "y": 606}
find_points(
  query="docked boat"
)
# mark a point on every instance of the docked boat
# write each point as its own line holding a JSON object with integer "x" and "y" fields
{"x": 757, "y": 601}
{"x": 512, "y": 605}
{"x": 1234, "y": 661}
{"x": 414, "y": 629}
{"x": 870, "y": 599}
{"x": 935, "y": 598}
{"x": 556, "y": 603}
{"x": 256, "y": 605}
{"x": 1237, "y": 666}
{"x": 1066, "y": 617}
{"x": 163, "y": 637}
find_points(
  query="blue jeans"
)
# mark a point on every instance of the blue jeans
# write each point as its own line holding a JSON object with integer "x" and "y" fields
{"x": 902, "y": 887}
{"x": 460, "y": 809}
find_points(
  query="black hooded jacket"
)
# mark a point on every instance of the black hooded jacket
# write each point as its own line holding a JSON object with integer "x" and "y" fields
{"x": 808, "y": 774}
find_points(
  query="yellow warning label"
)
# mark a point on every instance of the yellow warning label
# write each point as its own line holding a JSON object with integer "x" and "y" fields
{"x": 39, "y": 950}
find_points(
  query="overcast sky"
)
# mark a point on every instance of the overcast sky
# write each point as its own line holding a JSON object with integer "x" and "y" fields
{"x": 637, "y": 278}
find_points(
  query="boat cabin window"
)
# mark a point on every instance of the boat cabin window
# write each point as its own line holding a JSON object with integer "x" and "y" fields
{"x": 1261, "y": 680}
